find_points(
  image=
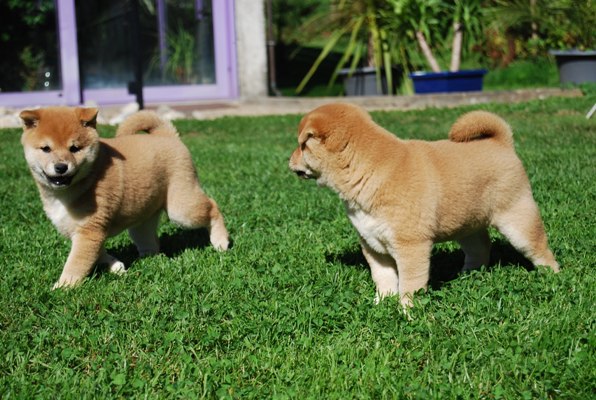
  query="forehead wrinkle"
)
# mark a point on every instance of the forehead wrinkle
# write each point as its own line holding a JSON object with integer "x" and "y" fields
{"x": 60, "y": 128}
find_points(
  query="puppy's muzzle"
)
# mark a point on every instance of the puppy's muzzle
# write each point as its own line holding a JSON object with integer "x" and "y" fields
{"x": 298, "y": 167}
{"x": 60, "y": 177}
{"x": 303, "y": 174}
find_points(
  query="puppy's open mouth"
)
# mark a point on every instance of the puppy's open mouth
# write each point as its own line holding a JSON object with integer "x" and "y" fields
{"x": 304, "y": 174}
{"x": 60, "y": 180}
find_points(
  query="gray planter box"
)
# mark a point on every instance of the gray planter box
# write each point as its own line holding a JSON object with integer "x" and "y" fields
{"x": 363, "y": 82}
{"x": 575, "y": 66}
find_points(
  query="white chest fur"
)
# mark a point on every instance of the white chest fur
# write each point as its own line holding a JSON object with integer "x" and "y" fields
{"x": 58, "y": 213}
{"x": 375, "y": 232}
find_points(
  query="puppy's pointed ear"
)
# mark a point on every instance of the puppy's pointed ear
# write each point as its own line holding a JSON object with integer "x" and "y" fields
{"x": 88, "y": 116}
{"x": 304, "y": 135}
{"x": 313, "y": 125}
{"x": 30, "y": 118}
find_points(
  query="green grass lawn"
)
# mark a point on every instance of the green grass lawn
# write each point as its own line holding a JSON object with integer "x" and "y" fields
{"x": 523, "y": 74}
{"x": 288, "y": 312}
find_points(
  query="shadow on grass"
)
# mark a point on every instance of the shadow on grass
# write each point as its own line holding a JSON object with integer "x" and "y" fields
{"x": 171, "y": 245}
{"x": 446, "y": 265}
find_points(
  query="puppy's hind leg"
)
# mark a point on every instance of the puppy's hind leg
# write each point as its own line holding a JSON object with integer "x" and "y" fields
{"x": 145, "y": 237}
{"x": 190, "y": 207}
{"x": 115, "y": 266}
{"x": 476, "y": 247}
{"x": 523, "y": 227}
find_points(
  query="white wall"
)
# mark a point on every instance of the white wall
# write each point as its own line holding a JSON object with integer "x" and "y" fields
{"x": 251, "y": 48}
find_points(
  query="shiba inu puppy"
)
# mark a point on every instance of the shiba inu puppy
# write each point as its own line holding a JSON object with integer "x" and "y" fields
{"x": 404, "y": 195}
{"x": 93, "y": 188}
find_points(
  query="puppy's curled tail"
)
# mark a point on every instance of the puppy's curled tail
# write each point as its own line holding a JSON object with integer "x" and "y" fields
{"x": 479, "y": 125}
{"x": 147, "y": 121}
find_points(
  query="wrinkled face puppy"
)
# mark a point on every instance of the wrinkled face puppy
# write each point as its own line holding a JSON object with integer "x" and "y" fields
{"x": 402, "y": 196}
{"x": 317, "y": 149}
{"x": 60, "y": 152}
{"x": 302, "y": 162}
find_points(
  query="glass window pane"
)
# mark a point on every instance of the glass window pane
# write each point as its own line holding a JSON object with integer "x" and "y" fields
{"x": 181, "y": 43}
{"x": 29, "y": 56}
{"x": 104, "y": 43}
{"x": 176, "y": 37}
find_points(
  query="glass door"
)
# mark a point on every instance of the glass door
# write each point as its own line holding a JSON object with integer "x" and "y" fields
{"x": 175, "y": 46}
{"x": 73, "y": 51}
{"x": 30, "y": 56}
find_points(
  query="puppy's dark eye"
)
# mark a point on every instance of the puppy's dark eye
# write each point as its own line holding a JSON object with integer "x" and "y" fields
{"x": 45, "y": 149}
{"x": 74, "y": 149}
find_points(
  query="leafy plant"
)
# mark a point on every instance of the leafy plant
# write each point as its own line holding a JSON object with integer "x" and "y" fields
{"x": 290, "y": 16}
{"x": 179, "y": 63}
{"x": 28, "y": 38}
{"x": 431, "y": 22}
{"x": 357, "y": 27}
{"x": 181, "y": 56}
{"x": 547, "y": 24}
{"x": 580, "y": 22}
{"x": 33, "y": 64}
{"x": 33, "y": 14}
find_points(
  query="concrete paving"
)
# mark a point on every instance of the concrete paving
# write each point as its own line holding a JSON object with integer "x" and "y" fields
{"x": 301, "y": 105}
{"x": 114, "y": 114}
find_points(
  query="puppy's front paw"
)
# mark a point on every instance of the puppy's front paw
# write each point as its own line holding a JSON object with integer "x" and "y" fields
{"x": 66, "y": 282}
{"x": 221, "y": 245}
{"x": 380, "y": 295}
{"x": 220, "y": 240}
{"x": 218, "y": 234}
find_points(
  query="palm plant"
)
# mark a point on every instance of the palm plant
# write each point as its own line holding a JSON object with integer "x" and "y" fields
{"x": 181, "y": 62}
{"x": 430, "y": 22}
{"x": 357, "y": 25}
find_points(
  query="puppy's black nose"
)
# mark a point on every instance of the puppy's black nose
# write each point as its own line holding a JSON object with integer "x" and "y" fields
{"x": 60, "y": 168}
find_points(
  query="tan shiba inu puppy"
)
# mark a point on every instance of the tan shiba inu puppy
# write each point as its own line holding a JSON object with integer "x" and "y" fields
{"x": 402, "y": 196}
{"x": 93, "y": 188}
